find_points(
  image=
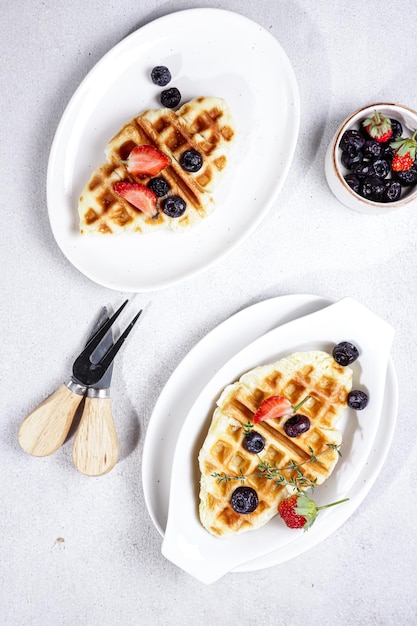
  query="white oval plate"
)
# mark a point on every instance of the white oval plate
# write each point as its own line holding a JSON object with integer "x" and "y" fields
{"x": 210, "y": 52}
{"x": 199, "y": 368}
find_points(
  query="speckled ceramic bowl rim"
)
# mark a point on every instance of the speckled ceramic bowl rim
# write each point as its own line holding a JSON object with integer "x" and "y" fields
{"x": 344, "y": 126}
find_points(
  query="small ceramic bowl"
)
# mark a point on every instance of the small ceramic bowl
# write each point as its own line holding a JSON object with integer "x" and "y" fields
{"x": 335, "y": 170}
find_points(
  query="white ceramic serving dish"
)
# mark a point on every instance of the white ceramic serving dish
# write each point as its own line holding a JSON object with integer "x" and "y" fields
{"x": 335, "y": 170}
{"x": 186, "y": 543}
{"x": 233, "y": 58}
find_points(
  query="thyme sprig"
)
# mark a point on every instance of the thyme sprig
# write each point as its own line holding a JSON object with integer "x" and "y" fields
{"x": 264, "y": 470}
{"x": 247, "y": 428}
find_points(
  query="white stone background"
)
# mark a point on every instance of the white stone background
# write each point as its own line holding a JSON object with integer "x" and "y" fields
{"x": 110, "y": 569}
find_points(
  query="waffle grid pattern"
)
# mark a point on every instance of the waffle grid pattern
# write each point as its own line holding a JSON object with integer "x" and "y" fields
{"x": 102, "y": 210}
{"x": 325, "y": 382}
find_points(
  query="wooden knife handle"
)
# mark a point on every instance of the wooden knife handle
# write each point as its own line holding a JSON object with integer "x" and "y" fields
{"x": 96, "y": 447}
{"x": 45, "y": 429}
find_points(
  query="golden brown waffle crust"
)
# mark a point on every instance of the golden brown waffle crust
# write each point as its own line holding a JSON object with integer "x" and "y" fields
{"x": 204, "y": 124}
{"x": 315, "y": 374}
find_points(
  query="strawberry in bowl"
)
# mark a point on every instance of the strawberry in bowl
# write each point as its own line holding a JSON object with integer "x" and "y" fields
{"x": 371, "y": 164}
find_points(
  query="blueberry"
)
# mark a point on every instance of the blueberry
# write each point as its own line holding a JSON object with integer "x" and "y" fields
{"x": 381, "y": 168}
{"x": 363, "y": 169}
{"x": 353, "y": 182}
{"x": 408, "y": 177}
{"x": 372, "y": 149}
{"x": 296, "y": 425}
{"x": 170, "y": 97}
{"x": 159, "y": 186}
{"x": 191, "y": 161}
{"x": 160, "y": 75}
{"x": 254, "y": 442}
{"x": 392, "y": 191}
{"x": 173, "y": 206}
{"x": 357, "y": 399}
{"x": 244, "y": 500}
{"x": 372, "y": 188}
{"x": 351, "y": 156}
{"x": 352, "y": 138}
{"x": 387, "y": 152}
{"x": 397, "y": 129}
{"x": 345, "y": 353}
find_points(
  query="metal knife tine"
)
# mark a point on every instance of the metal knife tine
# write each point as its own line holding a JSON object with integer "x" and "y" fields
{"x": 96, "y": 339}
{"x": 102, "y": 317}
{"x": 111, "y": 353}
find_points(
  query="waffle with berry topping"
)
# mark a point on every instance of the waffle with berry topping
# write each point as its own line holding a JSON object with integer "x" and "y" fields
{"x": 203, "y": 125}
{"x": 309, "y": 458}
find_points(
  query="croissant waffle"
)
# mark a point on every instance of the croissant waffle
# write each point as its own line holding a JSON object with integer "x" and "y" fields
{"x": 106, "y": 212}
{"x": 203, "y": 124}
{"x": 315, "y": 374}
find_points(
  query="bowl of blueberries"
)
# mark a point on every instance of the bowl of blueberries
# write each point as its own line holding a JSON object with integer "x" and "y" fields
{"x": 371, "y": 163}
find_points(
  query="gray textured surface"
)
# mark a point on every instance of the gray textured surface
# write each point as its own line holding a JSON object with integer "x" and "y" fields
{"x": 109, "y": 569}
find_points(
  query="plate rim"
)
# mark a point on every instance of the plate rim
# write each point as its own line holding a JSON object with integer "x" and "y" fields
{"x": 71, "y": 247}
{"x": 273, "y": 305}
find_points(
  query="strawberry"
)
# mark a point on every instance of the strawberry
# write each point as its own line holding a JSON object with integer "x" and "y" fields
{"x": 300, "y": 511}
{"x": 146, "y": 160}
{"x": 276, "y": 406}
{"x": 405, "y": 153}
{"x": 287, "y": 508}
{"x": 401, "y": 163}
{"x": 378, "y": 127}
{"x": 272, "y": 407}
{"x": 140, "y": 196}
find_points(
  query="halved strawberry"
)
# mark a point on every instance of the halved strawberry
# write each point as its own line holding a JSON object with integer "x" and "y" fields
{"x": 140, "y": 196}
{"x": 146, "y": 160}
{"x": 271, "y": 408}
